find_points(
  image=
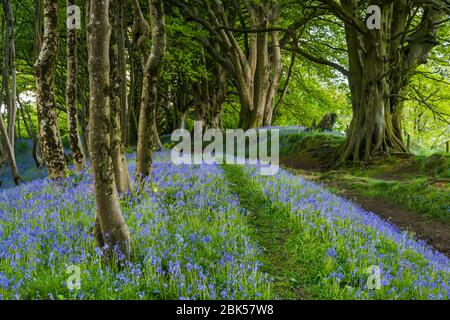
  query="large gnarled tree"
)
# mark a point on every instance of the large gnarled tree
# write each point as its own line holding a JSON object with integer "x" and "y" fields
{"x": 381, "y": 63}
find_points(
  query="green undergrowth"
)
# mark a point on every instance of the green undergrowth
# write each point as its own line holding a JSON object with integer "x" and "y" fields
{"x": 417, "y": 183}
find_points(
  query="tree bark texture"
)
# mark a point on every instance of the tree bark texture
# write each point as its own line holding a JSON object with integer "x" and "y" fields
{"x": 116, "y": 84}
{"x": 149, "y": 98}
{"x": 71, "y": 97}
{"x": 111, "y": 230}
{"x": 50, "y": 141}
{"x": 381, "y": 63}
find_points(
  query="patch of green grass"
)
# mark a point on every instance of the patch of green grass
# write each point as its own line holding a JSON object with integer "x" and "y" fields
{"x": 271, "y": 229}
{"x": 416, "y": 195}
{"x": 316, "y": 143}
{"x": 407, "y": 181}
{"x": 437, "y": 164}
{"x": 319, "y": 247}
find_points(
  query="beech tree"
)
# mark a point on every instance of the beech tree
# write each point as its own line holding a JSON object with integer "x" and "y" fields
{"x": 111, "y": 230}
{"x": 71, "y": 96}
{"x": 8, "y": 149}
{"x": 210, "y": 93}
{"x": 49, "y": 137}
{"x": 381, "y": 64}
{"x": 149, "y": 98}
{"x": 117, "y": 101}
{"x": 9, "y": 69}
{"x": 256, "y": 68}
{"x": 137, "y": 50}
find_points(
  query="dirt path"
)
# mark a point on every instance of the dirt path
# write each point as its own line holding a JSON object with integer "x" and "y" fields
{"x": 435, "y": 233}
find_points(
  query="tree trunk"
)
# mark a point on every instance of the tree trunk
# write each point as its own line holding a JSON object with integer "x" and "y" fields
{"x": 150, "y": 90}
{"x": 111, "y": 229}
{"x": 274, "y": 80}
{"x": 256, "y": 72}
{"x": 124, "y": 120}
{"x": 11, "y": 51}
{"x": 181, "y": 103}
{"x": 28, "y": 124}
{"x": 37, "y": 28}
{"x": 37, "y": 156}
{"x": 116, "y": 83}
{"x": 156, "y": 141}
{"x": 71, "y": 96}
{"x": 183, "y": 120}
{"x": 83, "y": 83}
{"x": 50, "y": 141}
{"x": 381, "y": 63}
{"x": 138, "y": 58}
{"x": 9, "y": 150}
{"x": 210, "y": 95}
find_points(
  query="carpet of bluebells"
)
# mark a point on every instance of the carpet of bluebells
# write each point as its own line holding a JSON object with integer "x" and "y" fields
{"x": 192, "y": 240}
{"x": 343, "y": 243}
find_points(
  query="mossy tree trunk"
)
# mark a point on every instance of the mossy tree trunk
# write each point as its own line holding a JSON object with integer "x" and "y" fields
{"x": 8, "y": 150}
{"x": 71, "y": 97}
{"x": 111, "y": 230}
{"x": 149, "y": 98}
{"x": 116, "y": 83}
{"x": 138, "y": 59}
{"x": 49, "y": 138}
{"x": 381, "y": 63}
{"x": 10, "y": 70}
{"x": 121, "y": 35}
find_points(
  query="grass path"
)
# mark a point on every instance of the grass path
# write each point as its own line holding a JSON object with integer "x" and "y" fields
{"x": 271, "y": 230}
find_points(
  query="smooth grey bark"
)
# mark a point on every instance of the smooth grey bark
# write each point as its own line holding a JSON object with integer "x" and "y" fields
{"x": 182, "y": 102}
{"x": 138, "y": 58}
{"x": 49, "y": 137}
{"x": 210, "y": 94}
{"x": 111, "y": 230}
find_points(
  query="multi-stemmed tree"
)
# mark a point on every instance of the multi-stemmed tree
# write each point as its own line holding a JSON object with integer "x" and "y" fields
{"x": 255, "y": 66}
{"x": 381, "y": 63}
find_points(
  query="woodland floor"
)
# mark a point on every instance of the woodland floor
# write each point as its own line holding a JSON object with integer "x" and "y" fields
{"x": 211, "y": 231}
{"x": 435, "y": 233}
